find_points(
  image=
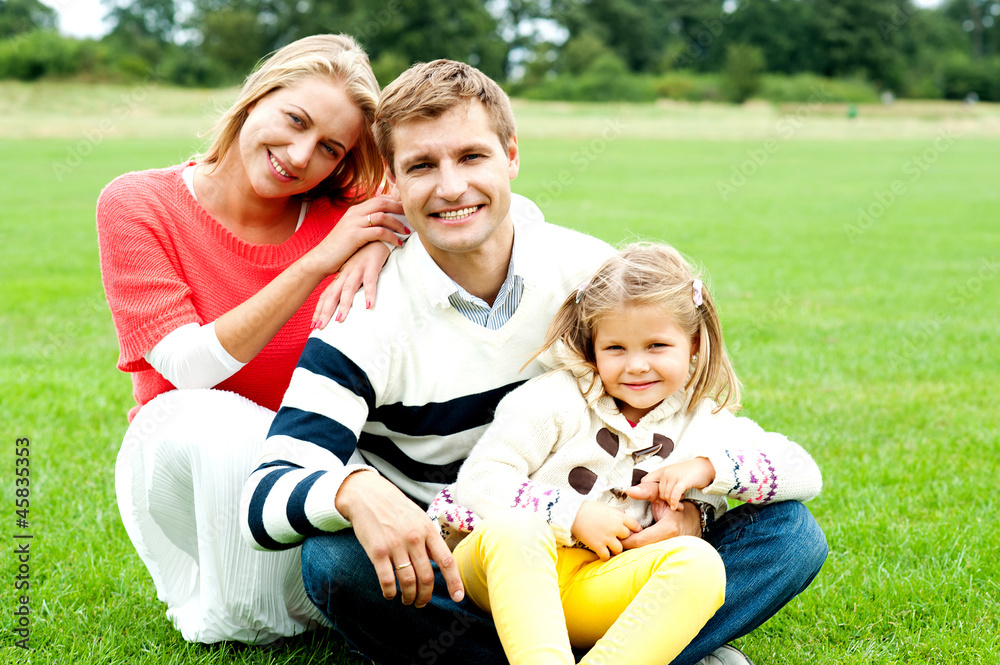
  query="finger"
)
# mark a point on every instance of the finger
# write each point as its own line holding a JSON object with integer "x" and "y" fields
{"x": 369, "y": 285}
{"x": 349, "y": 287}
{"x": 326, "y": 305}
{"x": 386, "y": 574}
{"x": 643, "y": 491}
{"x": 615, "y": 546}
{"x": 370, "y": 282}
{"x": 602, "y": 553}
{"x": 630, "y": 542}
{"x": 385, "y": 221}
{"x": 448, "y": 566}
{"x": 422, "y": 576}
{"x": 676, "y": 495}
{"x": 632, "y": 524}
{"x": 386, "y": 202}
{"x": 385, "y": 235}
{"x": 406, "y": 575}
{"x": 638, "y": 540}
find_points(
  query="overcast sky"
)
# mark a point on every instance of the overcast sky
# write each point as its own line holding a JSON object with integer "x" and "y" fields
{"x": 83, "y": 18}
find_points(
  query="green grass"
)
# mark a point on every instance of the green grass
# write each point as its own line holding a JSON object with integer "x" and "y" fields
{"x": 874, "y": 347}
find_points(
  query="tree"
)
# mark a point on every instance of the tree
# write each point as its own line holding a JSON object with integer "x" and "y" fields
{"x": 21, "y": 16}
{"x": 980, "y": 19}
{"x": 143, "y": 20}
{"x": 853, "y": 41}
{"x": 744, "y": 66}
{"x": 641, "y": 31}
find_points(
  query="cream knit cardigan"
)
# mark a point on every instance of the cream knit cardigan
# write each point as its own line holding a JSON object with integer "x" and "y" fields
{"x": 548, "y": 451}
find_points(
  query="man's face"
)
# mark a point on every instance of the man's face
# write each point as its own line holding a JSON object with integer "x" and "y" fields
{"x": 453, "y": 176}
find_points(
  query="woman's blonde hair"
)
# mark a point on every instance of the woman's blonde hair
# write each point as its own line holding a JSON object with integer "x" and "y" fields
{"x": 640, "y": 275}
{"x": 336, "y": 57}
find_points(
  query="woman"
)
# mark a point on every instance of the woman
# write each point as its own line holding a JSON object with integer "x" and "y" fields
{"x": 213, "y": 271}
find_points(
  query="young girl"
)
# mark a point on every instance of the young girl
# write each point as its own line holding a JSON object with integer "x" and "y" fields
{"x": 642, "y": 391}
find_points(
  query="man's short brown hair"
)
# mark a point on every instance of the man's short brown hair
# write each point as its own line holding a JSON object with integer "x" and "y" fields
{"x": 429, "y": 89}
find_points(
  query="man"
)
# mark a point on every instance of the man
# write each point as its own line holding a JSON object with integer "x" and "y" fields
{"x": 384, "y": 407}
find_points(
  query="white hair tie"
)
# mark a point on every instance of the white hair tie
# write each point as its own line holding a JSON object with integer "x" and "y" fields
{"x": 697, "y": 296}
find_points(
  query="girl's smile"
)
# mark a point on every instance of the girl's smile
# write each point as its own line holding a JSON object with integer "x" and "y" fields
{"x": 642, "y": 358}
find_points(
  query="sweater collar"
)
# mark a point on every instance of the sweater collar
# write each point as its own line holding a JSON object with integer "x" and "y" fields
{"x": 559, "y": 357}
{"x": 440, "y": 287}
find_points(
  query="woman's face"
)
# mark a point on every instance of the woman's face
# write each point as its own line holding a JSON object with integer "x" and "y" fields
{"x": 294, "y": 137}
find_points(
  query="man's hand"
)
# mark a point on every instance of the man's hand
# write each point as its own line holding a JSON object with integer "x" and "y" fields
{"x": 603, "y": 528}
{"x": 672, "y": 523}
{"x": 398, "y": 537}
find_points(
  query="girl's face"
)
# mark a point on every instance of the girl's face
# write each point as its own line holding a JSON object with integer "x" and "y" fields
{"x": 642, "y": 358}
{"x": 294, "y": 137}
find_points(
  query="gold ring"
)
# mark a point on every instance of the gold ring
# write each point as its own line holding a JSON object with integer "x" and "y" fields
{"x": 369, "y": 219}
{"x": 404, "y": 565}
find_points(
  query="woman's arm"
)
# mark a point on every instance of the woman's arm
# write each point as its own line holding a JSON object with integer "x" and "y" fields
{"x": 192, "y": 357}
{"x": 248, "y": 327}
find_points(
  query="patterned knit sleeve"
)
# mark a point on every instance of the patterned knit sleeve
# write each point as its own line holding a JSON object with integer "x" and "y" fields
{"x": 753, "y": 465}
{"x": 497, "y": 474}
{"x": 146, "y": 292}
{"x": 310, "y": 449}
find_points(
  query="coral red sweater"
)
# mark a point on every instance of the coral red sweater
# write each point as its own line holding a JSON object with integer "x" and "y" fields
{"x": 166, "y": 262}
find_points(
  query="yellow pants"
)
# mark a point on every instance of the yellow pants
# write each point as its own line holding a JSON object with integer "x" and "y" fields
{"x": 642, "y": 606}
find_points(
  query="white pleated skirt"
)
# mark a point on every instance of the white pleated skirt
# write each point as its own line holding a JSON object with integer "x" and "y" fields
{"x": 178, "y": 478}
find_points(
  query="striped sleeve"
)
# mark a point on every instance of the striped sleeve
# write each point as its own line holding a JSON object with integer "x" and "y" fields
{"x": 310, "y": 449}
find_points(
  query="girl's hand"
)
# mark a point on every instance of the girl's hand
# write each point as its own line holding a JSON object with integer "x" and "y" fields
{"x": 669, "y": 483}
{"x": 361, "y": 269}
{"x": 362, "y": 223}
{"x": 603, "y": 528}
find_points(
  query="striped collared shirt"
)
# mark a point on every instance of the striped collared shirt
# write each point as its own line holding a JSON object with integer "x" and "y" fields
{"x": 492, "y": 318}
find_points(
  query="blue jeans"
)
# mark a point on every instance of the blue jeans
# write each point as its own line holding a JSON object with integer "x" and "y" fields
{"x": 771, "y": 554}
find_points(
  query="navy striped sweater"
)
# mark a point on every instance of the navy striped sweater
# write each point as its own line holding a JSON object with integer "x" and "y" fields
{"x": 406, "y": 387}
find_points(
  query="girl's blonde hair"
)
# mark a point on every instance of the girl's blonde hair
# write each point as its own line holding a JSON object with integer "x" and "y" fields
{"x": 641, "y": 275}
{"x": 335, "y": 57}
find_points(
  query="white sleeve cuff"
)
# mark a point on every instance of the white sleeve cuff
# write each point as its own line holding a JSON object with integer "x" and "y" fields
{"x": 321, "y": 504}
{"x": 193, "y": 357}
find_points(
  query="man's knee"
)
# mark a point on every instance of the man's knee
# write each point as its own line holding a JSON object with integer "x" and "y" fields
{"x": 805, "y": 529}
{"x": 334, "y": 568}
{"x": 801, "y": 538}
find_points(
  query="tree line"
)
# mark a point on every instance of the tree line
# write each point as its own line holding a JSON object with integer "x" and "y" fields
{"x": 562, "y": 49}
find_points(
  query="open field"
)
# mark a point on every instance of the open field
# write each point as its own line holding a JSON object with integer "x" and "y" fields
{"x": 856, "y": 264}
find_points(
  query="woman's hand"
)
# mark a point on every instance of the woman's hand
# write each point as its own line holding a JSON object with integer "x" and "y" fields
{"x": 362, "y": 269}
{"x": 363, "y": 223}
{"x": 603, "y": 528}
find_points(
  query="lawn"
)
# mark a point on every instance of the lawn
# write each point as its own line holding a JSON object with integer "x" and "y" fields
{"x": 857, "y": 267}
